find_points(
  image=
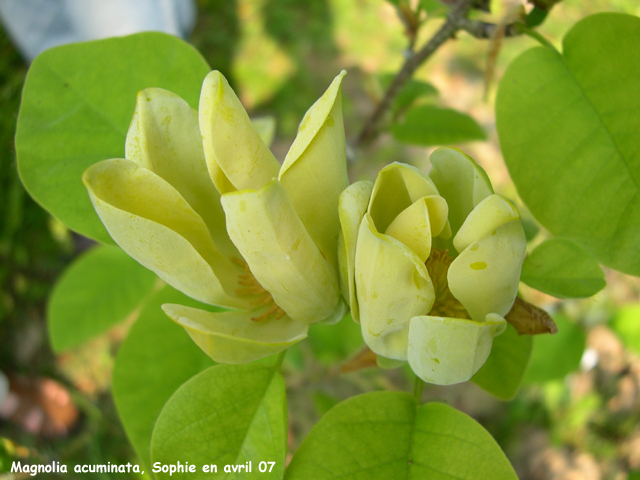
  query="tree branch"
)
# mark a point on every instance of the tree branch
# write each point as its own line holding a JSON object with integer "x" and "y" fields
{"x": 456, "y": 16}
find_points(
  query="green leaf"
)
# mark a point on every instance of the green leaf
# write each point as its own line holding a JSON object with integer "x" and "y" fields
{"x": 562, "y": 268}
{"x": 530, "y": 227}
{"x": 77, "y": 105}
{"x": 99, "y": 289}
{"x": 627, "y": 325}
{"x": 409, "y": 93}
{"x": 568, "y": 126}
{"x": 536, "y": 16}
{"x": 155, "y": 359}
{"x": 555, "y": 356}
{"x": 429, "y": 125}
{"x": 434, "y": 7}
{"x": 502, "y": 373}
{"x": 335, "y": 343}
{"x": 383, "y": 435}
{"x": 227, "y": 415}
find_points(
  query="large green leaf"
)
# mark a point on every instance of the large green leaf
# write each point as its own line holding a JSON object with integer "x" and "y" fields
{"x": 568, "y": 126}
{"x": 386, "y": 435}
{"x": 77, "y": 105}
{"x": 555, "y": 356}
{"x": 562, "y": 268}
{"x": 627, "y": 325}
{"x": 100, "y": 288}
{"x": 156, "y": 358}
{"x": 227, "y": 415}
{"x": 429, "y": 125}
{"x": 502, "y": 372}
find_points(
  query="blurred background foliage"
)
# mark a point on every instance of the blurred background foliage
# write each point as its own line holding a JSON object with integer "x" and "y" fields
{"x": 575, "y": 417}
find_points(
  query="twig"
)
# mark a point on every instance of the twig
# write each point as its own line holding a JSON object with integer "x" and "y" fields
{"x": 411, "y": 64}
{"x": 485, "y": 30}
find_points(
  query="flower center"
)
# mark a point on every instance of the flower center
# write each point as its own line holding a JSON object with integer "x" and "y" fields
{"x": 252, "y": 288}
{"x": 445, "y": 305}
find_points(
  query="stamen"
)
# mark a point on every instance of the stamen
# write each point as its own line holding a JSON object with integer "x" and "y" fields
{"x": 252, "y": 288}
{"x": 273, "y": 310}
{"x": 237, "y": 261}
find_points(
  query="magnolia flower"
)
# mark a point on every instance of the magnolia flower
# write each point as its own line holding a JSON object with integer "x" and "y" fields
{"x": 200, "y": 200}
{"x": 431, "y": 264}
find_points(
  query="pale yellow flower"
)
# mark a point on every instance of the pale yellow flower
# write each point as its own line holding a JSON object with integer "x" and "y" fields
{"x": 200, "y": 200}
{"x": 431, "y": 264}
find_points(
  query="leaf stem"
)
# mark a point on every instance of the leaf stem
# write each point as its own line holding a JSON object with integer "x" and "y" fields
{"x": 535, "y": 35}
{"x": 418, "y": 386}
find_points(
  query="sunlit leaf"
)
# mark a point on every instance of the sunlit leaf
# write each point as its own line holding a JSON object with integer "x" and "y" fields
{"x": 562, "y": 268}
{"x": 155, "y": 359}
{"x": 568, "y": 126}
{"x": 100, "y": 288}
{"x": 227, "y": 415}
{"x": 384, "y": 435}
{"x": 77, "y": 104}
{"x": 429, "y": 125}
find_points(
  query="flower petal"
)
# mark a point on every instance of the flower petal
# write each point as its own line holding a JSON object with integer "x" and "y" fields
{"x": 392, "y": 286}
{"x": 236, "y": 156}
{"x": 338, "y": 313}
{"x": 488, "y": 215}
{"x": 398, "y": 185}
{"x": 485, "y": 276}
{"x": 461, "y": 181}
{"x": 314, "y": 173}
{"x": 445, "y": 350}
{"x": 351, "y": 208}
{"x": 280, "y": 253}
{"x": 149, "y": 219}
{"x": 417, "y": 224}
{"x": 164, "y": 137}
{"x": 233, "y": 337}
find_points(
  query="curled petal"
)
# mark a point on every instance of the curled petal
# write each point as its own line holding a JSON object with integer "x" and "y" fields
{"x": 461, "y": 181}
{"x": 417, "y": 224}
{"x": 392, "y": 286}
{"x": 398, "y": 185}
{"x": 316, "y": 168}
{"x": 280, "y": 253}
{"x": 338, "y": 313}
{"x": 237, "y": 158}
{"x": 234, "y": 337}
{"x": 164, "y": 137}
{"x": 485, "y": 276}
{"x": 149, "y": 219}
{"x": 488, "y": 215}
{"x": 351, "y": 208}
{"x": 445, "y": 350}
